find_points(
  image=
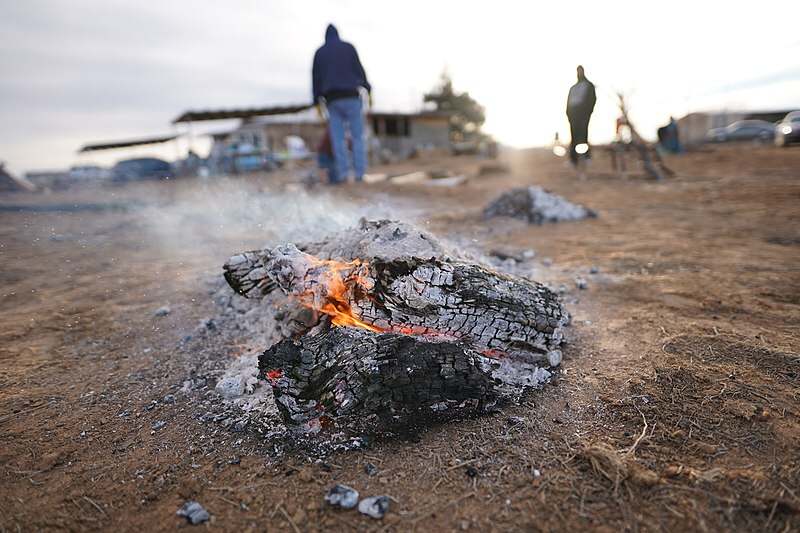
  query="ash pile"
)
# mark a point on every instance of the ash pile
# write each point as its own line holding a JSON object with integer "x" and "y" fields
{"x": 380, "y": 323}
{"x": 535, "y": 205}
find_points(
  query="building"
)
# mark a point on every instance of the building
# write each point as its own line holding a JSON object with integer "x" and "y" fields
{"x": 403, "y": 134}
{"x": 694, "y": 126}
{"x": 268, "y": 136}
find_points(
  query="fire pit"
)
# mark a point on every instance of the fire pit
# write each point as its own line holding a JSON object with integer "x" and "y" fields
{"x": 388, "y": 323}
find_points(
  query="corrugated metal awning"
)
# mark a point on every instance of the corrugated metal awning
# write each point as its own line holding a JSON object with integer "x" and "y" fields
{"x": 221, "y": 114}
{"x": 94, "y": 147}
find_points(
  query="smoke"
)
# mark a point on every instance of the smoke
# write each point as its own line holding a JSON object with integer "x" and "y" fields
{"x": 212, "y": 221}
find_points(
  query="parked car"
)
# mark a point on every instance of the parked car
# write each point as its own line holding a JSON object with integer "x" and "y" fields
{"x": 743, "y": 130}
{"x": 788, "y": 130}
{"x": 144, "y": 168}
{"x": 88, "y": 173}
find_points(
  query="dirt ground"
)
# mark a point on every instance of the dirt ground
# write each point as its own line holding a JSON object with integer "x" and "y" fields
{"x": 677, "y": 407}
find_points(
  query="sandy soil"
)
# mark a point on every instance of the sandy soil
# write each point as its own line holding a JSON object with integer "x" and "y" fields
{"x": 677, "y": 406}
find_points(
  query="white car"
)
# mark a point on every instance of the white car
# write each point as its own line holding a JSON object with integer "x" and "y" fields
{"x": 788, "y": 129}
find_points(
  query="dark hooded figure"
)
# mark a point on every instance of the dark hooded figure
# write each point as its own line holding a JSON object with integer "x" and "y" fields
{"x": 337, "y": 77}
{"x": 580, "y": 104}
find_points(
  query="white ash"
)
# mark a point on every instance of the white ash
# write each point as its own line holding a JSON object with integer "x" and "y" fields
{"x": 517, "y": 376}
{"x": 240, "y": 386}
{"x": 385, "y": 240}
{"x": 536, "y": 206}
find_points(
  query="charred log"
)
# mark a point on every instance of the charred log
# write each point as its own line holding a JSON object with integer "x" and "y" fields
{"x": 382, "y": 239}
{"x": 346, "y": 371}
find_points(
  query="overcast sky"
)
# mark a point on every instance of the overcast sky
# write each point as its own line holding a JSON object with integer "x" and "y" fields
{"x": 75, "y": 71}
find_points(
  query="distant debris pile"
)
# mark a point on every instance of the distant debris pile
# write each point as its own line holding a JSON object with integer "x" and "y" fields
{"x": 11, "y": 183}
{"x": 536, "y": 206}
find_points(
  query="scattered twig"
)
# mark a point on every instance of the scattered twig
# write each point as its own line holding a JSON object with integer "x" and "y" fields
{"x": 226, "y": 500}
{"x": 95, "y": 505}
{"x": 632, "y": 449}
{"x": 465, "y": 463}
{"x": 289, "y": 518}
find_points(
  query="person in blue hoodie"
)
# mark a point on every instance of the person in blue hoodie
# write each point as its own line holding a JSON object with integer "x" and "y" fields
{"x": 337, "y": 78}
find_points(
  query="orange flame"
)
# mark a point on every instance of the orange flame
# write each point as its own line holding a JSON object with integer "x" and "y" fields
{"x": 337, "y": 287}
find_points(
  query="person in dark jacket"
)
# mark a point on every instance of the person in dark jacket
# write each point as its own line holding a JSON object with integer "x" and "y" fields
{"x": 580, "y": 104}
{"x": 337, "y": 78}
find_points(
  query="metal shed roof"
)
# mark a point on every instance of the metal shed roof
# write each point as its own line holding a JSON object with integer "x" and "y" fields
{"x": 220, "y": 114}
{"x": 126, "y": 143}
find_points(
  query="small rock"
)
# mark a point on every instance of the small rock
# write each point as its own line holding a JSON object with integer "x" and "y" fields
{"x": 547, "y": 261}
{"x": 537, "y": 472}
{"x": 471, "y": 471}
{"x": 193, "y": 512}
{"x": 162, "y": 311}
{"x": 169, "y": 398}
{"x": 370, "y": 469}
{"x": 581, "y": 283}
{"x": 158, "y": 424}
{"x": 375, "y": 506}
{"x": 515, "y": 421}
{"x": 594, "y": 270}
{"x": 342, "y": 496}
{"x": 235, "y": 461}
{"x": 231, "y": 386}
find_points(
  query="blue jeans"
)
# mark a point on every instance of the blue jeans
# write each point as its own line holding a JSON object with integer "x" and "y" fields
{"x": 325, "y": 162}
{"x": 345, "y": 114}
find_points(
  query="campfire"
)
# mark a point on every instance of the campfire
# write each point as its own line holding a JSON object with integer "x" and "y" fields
{"x": 395, "y": 325}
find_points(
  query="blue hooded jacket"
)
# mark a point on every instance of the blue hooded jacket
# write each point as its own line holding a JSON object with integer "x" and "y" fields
{"x": 337, "y": 67}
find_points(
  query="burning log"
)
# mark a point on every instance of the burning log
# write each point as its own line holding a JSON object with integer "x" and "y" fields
{"x": 494, "y": 313}
{"x": 394, "y": 325}
{"x": 381, "y": 239}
